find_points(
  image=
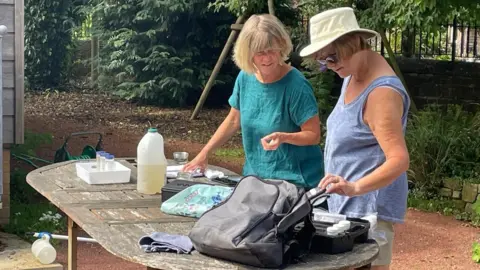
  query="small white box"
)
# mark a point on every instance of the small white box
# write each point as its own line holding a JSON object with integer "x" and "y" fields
{"x": 89, "y": 173}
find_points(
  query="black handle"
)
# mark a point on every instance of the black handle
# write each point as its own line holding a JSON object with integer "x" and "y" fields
{"x": 84, "y": 133}
{"x": 314, "y": 193}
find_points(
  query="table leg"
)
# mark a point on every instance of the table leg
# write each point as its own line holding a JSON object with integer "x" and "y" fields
{"x": 72, "y": 244}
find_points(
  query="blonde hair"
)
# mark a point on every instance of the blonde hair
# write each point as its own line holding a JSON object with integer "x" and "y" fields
{"x": 349, "y": 44}
{"x": 260, "y": 33}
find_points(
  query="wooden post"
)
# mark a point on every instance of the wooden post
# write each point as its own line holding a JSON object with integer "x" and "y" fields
{"x": 271, "y": 7}
{"x": 3, "y": 31}
{"x": 72, "y": 244}
{"x": 216, "y": 69}
{"x": 94, "y": 63}
{"x": 94, "y": 50}
{"x": 236, "y": 28}
{"x": 454, "y": 39}
{"x": 395, "y": 66}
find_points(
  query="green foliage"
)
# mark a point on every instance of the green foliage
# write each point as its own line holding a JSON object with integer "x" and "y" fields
{"x": 283, "y": 8}
{"x": 476, "y": 252}
{"x": 38, "y": 217}
{"x": 30, "y": 211}
{"x": 432, "y": 202}
{"x": 311, "y": 7}
{"x": 443, "y": 143}
{"x": 48, "y": 41}
{"x": 20, "y": 190}
{"x": 234, "y": 153}
{"x": 322, "y": 83}
{"x": 160, "y": 51}
{"x": 31, "y": 143}
{"x": 423, "y": 14}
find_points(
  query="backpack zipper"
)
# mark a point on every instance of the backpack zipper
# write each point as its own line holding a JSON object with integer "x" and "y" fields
{"x": 241, "y": 236}
{"x": 228, "y": 198}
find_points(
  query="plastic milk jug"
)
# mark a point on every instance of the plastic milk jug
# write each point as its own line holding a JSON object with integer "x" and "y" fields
{"x": 151, "y": 163}
{"x": 43, "y": 251}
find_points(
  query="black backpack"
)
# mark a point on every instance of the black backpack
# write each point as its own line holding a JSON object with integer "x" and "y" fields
{"x": 255, "y": 225}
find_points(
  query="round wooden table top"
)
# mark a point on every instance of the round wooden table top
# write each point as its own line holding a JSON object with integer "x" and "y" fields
{"x": 117, "y": 216}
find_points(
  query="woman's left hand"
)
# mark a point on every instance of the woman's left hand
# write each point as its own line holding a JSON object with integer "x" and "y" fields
{"x": 336, "y": 184}
{"x": 272, "y": 141}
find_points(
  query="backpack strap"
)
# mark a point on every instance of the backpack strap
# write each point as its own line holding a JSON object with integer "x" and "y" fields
{"x": 299, "y": 246}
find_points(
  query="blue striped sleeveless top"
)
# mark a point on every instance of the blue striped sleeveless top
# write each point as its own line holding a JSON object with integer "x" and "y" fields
{"x": 352, "y": 151}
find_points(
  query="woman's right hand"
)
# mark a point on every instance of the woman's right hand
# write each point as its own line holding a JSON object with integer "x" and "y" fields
{"x": 199, "y": 162}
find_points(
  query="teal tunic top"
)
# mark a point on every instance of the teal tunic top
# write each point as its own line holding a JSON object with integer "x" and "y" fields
{"x": 281, "y": 106}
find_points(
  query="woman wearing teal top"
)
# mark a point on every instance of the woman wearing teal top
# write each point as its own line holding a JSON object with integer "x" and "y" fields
{"x": 274, "y": 105}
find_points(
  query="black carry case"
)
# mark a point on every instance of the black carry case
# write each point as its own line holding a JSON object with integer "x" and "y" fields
{"x": 344, "y": 242}
{"x": 175, "y": 186}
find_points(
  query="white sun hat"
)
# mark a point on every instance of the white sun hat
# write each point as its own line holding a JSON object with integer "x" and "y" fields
{"x": 329, "y": 25}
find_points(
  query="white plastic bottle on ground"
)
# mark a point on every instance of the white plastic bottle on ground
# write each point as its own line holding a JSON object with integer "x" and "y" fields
{"x": 151, "y": 163}
{"x": 43, "y": 251}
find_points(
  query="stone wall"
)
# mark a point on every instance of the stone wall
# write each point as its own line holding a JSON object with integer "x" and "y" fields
{"x": 464, "y": 194}
{"x": 431, "y": 81}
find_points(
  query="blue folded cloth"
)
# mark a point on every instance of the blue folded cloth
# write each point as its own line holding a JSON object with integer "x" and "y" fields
{"x": 160, "y": 241}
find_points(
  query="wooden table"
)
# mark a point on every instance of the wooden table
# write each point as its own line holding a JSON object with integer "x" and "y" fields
{"x": 117, "y": 216}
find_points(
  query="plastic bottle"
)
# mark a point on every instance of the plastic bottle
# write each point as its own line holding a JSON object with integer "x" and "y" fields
{"x": 341, "y": 227}
{"x": 103, "y": 160}
{"x": 373, "y": 233}
{"x": 346, "y": 224}
{"x": 332, "y": 231}
{"x": 98, "y": 156}
{"x": 43, "y": 251}
{"x": 151, "y": 163}
{"x": 109, "y": 163}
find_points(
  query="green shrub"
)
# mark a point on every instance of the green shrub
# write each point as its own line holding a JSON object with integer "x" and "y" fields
{"x": 30, "y": 211}
{"x": 160, "y": 51}
{"x": 322, "y": 83}
{"x": 48, "y": 41}
{"x": 443, "y": 142}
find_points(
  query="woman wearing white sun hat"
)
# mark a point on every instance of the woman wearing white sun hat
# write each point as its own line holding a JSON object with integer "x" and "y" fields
{"x": 366, "y": 157}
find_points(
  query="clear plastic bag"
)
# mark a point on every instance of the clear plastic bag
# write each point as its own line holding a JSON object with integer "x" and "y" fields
{"x": 195, "y": 200}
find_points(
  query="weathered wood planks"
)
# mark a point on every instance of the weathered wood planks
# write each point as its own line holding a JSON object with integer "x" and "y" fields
{"x": 117, "y": 216}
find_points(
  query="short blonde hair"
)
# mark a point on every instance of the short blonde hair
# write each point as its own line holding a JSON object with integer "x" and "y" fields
{"x": 349, "y": 44}
{"x": 259, "y": 33}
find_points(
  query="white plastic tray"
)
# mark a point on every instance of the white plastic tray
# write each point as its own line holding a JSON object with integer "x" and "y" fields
{"x": 89, "y": 173}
